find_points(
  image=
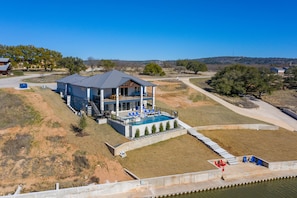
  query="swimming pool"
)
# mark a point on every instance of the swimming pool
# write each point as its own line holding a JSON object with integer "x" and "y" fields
{"x": 151, "y": 119}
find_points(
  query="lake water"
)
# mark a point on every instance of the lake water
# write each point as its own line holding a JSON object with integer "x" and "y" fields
{"x": 276, "y": 188}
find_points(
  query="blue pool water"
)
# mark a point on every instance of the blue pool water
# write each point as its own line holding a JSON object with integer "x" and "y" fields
{"x": 151, "y": 119}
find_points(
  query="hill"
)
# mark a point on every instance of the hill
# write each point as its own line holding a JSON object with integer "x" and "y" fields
{"x": 41, "y": 153}
{"x": 213, "y": 63}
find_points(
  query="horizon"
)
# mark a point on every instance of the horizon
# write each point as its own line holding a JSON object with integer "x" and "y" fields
{"x": 152, "y": 30}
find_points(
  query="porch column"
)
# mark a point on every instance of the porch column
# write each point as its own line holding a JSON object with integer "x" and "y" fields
{"x": 153, "y": 93}
{"x": 88, "y": 94}
{"x": 66, "y": 91}
{"x": 117, "y": 101}
{"x": 102, "y": 100}
{"x": 141, "y": 99}
{"x": 144, "y": 90}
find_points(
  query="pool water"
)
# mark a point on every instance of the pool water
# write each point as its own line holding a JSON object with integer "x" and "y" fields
{"x": 151, "y": 119}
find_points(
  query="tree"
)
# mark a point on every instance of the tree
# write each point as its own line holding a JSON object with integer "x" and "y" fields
{"x": 167, "y": 125}
{"x": 291, "y": 79}
{"x": 31, "y": 56}
{"x": 92, "y": 63}
{"x": 146, "y": 131}
{"x": 161, "y": 128}
{"x": 154, "y": 128}
{"x": 137, "y": 133}
{"x": 82, "y": 122}
{"x": 73, "y": 64}
{"x": 196, "y": 66}
{"x": 239, "y": 79}
{"x": 107, "y": 64}
{"x": 175, "y": 124}
{"x": 192, "y": 65}
{"x": 153, "y": 69}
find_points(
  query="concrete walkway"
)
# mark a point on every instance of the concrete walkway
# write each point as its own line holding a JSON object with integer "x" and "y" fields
{"x": 265, "y": 112}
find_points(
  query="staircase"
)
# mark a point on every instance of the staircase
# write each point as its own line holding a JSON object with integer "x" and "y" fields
{"x": 95, "y": 108}
{"x": 231, "y": 159}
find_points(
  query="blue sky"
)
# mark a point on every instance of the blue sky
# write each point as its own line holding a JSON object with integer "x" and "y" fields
{"x": 153, "y": 29}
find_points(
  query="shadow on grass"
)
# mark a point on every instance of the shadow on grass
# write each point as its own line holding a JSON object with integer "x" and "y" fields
{"x": 78, "y": 131}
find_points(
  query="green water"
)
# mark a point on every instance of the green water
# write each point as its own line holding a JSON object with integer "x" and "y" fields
{"x": 277, "y": 188}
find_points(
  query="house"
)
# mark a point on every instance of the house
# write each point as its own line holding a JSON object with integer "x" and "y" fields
{"x": 5, "y": 66}
{"x": 113, "y": 91}
{"x": 278, "y": 70}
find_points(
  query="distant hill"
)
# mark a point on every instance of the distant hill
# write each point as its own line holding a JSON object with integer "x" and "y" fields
{"x": 249, "y": 61}
{"x": 212, "y": 62}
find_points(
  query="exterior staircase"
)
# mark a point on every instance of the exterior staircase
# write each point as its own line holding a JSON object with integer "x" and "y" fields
{"x": 231, "y": 159}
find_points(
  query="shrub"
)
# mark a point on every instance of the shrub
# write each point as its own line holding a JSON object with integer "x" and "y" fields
{"x": 12, "y": 147}
{"x": 82, "y": 122}
{"x": 161, "y": 128}
{"x": 17, "y": 73}
{"x": 175, "y": 124}
{"x": 80, "y": 161}
{"x": 146, "y": 132}
{"x": 167, "y": 125}
{"x": 154, "y": 129}
{"x": 137, "y": 133}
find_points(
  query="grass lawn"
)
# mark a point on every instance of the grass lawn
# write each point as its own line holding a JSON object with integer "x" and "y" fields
{"x": 272, "y": 146}
{"x": 178, "y": 155}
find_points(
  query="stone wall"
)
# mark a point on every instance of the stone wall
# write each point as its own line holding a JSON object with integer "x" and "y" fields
{"x": 148, "y": 140}
{"x": 238, "y": 126}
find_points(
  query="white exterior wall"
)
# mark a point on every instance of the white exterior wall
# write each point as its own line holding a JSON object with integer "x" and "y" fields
{"x": 142, "y": 127}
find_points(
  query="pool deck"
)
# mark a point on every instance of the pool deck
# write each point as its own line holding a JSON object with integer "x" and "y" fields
{"x": 235, "y": 175}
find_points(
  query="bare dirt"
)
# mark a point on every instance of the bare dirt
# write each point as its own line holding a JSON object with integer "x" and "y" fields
{"x": 42, "y": 154}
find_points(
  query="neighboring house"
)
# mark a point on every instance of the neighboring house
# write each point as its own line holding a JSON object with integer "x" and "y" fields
{"x": 278, "y": 70}
{"x": 113, "y": 91}
{"x": 5, "y": 66}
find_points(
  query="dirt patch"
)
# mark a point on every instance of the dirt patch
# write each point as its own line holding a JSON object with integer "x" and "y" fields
{"x": 43, "y": 153}
{"x": 176, "y": 94}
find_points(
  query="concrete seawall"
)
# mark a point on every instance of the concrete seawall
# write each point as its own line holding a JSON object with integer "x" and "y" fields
{"x": 242, "y": 174}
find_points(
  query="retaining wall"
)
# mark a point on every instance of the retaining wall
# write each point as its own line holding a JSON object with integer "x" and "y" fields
{"x": 148, "y": 140}
{"x": 122, "y": 187}
{"x": 238, "y": 126}
{"x": 287, "y": 165}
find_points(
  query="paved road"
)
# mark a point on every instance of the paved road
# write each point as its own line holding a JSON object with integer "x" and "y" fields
{"x": 265, "y": 112}
{"x": 14, "y": 82}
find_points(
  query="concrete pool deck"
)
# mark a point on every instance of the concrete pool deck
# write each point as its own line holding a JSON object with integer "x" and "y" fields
{"x": 235, "y": 175}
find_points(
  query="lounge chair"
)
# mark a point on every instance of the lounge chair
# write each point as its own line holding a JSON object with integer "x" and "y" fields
{"x": 136, "y": 113}
{"x": 244, "y": 159}
{"x": 253, "y": 159}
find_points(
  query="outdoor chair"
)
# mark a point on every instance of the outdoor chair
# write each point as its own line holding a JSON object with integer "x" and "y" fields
{"x": 253, "y": 159}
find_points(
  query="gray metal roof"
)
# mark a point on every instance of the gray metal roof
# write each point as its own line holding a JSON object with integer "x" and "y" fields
{"x": 4, "y": 67}
{"x": 71, "y": 79}
{"x": 4, "y": 60}
{"x": 112, "y": 79}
